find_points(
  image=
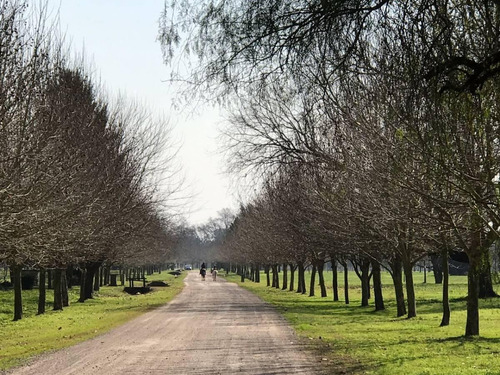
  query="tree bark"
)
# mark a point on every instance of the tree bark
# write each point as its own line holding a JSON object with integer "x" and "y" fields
{"x": 335, "y": 282}
{"x": 15, "y": 272}
{"x": 49, "y": 279}
{"x": 445, "y": 279}
{"x": 292, "y": 277}
{"x": 64, "y": 289}
{"x": 91, "y": 270}
{"x": 42, "y": 292}
{"x": 268, "y": 279}
{"x": 276, "y": 277}
{"x": 312, "y": 282}
{"x": 346, "y": 283}
{"x": 82, "y": 285}
{"x": 285, "y": 277}
{"x": 321, "y": 276}
{"x": 410, "y": 289}
{"x": 301, "y": 282}
{"x": 377, "y": 286}
{"x": 69, "y": 277}
{"x": 485, "y": 280}
{"x": 397, "y": 278}
{"x": 472, "y": 325}
{"x": 97, "y": 279}
{"x": 58, "y": 301}
{"x": 365, "y": 281}
{"x": 437, "y": 267}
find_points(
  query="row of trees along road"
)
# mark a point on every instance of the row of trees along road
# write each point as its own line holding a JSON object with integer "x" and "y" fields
{"x": 77, "y": 171}
{"x": 372, "y": 125}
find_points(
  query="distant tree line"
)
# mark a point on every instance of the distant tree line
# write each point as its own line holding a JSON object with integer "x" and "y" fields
{"x": 77, "y": 171}
{"x": 371, "y": 130}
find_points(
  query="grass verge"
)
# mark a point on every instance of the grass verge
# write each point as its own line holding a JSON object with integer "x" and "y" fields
{"x": 379, "y": 343}
{"x": 35, "y": 334}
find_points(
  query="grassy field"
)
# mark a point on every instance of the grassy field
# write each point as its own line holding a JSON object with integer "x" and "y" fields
{"x": 80, "y": 321}
{"x": 359, "y": 340}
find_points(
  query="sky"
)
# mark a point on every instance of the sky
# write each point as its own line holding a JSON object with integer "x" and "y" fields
{"x": 119, "y": 38}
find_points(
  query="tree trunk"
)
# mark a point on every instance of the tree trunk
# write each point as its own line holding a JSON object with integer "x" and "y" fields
{"x": 15, "y": 272}
{"x": 292, "y": 277}
{"x": 335, "y": 282}
{"x": 285, "y": 277}
{"x": 69, "y": 277}
{"x": 82, "y": 285}
{"x": 301, "y": 283}
{"x": 377, "y": 286}
{"x": 346, "y": 283}
{"x": 425, "y": 272}
{"x": 485, "y": 279}
{"x": 321, "y": 276}
{"x": 397, "y": 278}
{"x": 49, "y": 279}
{"x": 437, "y": 267}
{"x": 312, "y": 281}
{"x": 276, "y": 276}
{"x": 472, "y": 325}
{"x": 91, "y": 270}
{"x": 445, "y": 279}
{"x": 97, "y": 279}
{"x": 257, "y": 273}
{"x": 64, "y": 289}
{"x": 410, "y": 289}
{"x": 365, "y": 281}
{"x": 42, "y": 292}
{"x": 268, "y": 279}
{"x": 58, "y": 301}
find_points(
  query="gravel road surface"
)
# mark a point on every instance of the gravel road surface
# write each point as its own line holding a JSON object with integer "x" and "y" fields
{"x": 209, "y": 328}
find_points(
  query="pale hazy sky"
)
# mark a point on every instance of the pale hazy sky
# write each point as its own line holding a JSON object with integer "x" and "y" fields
{"x": 119, "y": 36}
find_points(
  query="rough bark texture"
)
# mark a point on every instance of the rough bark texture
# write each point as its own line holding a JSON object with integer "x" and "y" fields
{"x": 292, "y": 277}
{"x": 377, "y": 286}
{"x": 321, "y": 276}
{"x": 42, "y": 295}
{"x": 268, "y": 279}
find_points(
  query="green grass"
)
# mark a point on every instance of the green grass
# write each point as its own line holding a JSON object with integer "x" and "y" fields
{"x": 365, "y": 341}
{"x": 80, "y": 321}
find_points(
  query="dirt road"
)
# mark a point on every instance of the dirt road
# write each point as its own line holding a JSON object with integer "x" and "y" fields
{"x": 209, "y": 328}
